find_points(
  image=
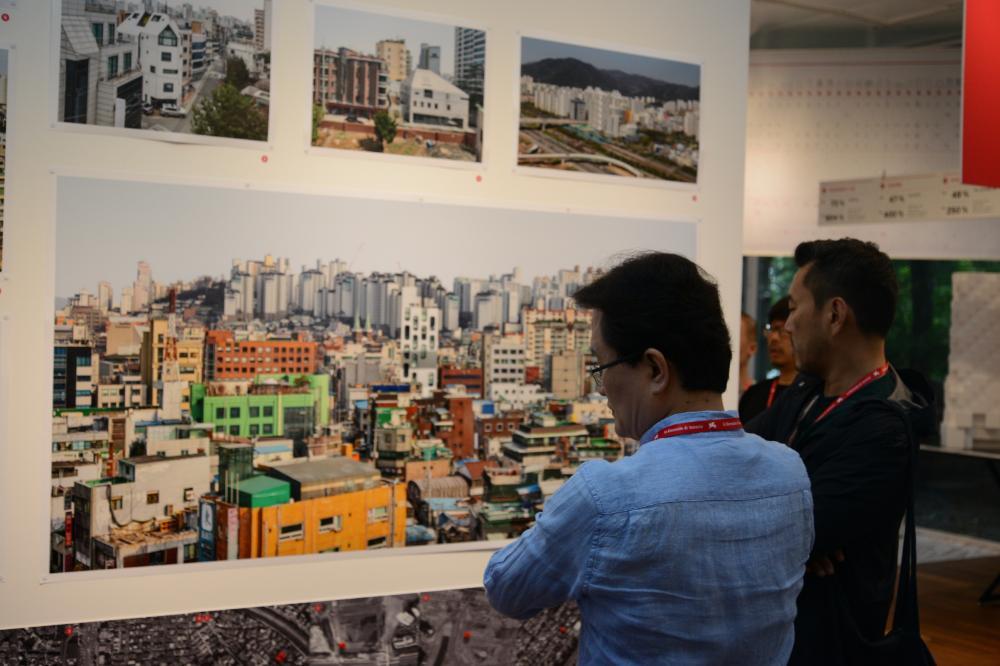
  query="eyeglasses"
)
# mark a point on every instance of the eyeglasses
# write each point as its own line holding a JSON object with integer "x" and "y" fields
{"x": 597, "y": 372}
{"x": 779, "y": 329}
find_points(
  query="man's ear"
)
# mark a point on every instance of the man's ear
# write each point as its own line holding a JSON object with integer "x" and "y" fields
{"x": 837, "y": 315}
{"x": 659, "y": 369}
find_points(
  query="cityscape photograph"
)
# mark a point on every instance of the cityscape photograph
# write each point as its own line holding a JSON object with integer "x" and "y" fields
{"x": 596, "y": 111}
{"x": 167, "y": 65}
{"x": 369, "y": 374}
{"x": 3, "y": 143}
{"x": 453, "y": 627}
{"x": 395, "y": 85}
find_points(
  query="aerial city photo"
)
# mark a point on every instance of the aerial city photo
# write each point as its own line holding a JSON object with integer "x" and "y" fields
{"x": 453, "y": 627}
{"x": 396, "y": 85}
{"x": 167, "y": 65}
{"x": 597, "y": 111}
{"x": 242, "y": 393}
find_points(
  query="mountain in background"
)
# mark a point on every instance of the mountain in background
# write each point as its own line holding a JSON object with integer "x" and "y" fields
{"x": 573, "y": 73}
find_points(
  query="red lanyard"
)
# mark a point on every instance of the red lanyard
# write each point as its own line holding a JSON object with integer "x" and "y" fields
{"x": 863, "y": 382}
{"x": 770, "y": 394}
{"x": 692, "y": 427}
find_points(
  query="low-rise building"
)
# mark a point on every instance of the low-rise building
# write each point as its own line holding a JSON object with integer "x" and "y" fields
{"x": 144, "y": 515}
{"x": 339, "y": 504}
{"x": 100, "y": 79}
{"x": 283, "y": 406}
{"x": 428, "y": 99}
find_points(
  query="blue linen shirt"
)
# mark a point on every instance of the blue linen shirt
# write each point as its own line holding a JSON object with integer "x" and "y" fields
{"x": 690, "y": 551}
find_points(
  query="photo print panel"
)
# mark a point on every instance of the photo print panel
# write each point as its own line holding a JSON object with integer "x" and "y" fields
{"x": 446, "y": 627}
{"x": 595, "y": 111}
{"x": 272, "y": 374}
{"x": 396, "y": 85}
{"x": 4, "y": 76}
{"x": 199, "y": 69}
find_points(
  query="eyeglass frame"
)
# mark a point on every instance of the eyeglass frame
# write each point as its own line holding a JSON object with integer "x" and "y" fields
{"x": 597, "y": 374}
{"x": 782, "y": 331}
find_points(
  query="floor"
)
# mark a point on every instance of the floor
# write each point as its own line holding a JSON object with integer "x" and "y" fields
{"x": 957, "y": 629}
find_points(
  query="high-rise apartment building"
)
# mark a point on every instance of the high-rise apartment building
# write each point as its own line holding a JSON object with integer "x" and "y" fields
{"x": 397, "y": 58}
{"x": 470, "y": 62}
{"x": 430, "y": 58}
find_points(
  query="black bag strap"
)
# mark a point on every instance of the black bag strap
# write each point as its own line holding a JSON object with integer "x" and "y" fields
{"x": 903, "y": 644}
{"x": 907, "y": 615}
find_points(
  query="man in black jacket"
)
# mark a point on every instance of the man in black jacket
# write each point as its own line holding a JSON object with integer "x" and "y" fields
{"x": 839, "y": 415}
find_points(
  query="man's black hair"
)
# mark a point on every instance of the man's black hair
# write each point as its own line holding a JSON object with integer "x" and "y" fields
{"x": 856, "y": 271}
{"x": 778, "y": 311}
{"x": 666, "y": 302}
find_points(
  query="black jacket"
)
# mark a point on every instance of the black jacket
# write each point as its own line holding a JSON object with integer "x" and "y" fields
{"x": 858, "y": 466}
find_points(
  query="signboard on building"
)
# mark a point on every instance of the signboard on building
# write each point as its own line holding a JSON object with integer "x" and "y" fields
{"x": 206, "y": 530}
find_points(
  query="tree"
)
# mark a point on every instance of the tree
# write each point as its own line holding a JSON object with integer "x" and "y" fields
{"x": 385, "y": 128}
{"x": 230, "y": 114}
{"x": 237, "y": 74}
{"x": 317, "y": 118}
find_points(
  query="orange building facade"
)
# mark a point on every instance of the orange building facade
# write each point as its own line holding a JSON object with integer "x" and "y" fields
{"x": 228, "y": 358}
{"x": 360, "y": 520}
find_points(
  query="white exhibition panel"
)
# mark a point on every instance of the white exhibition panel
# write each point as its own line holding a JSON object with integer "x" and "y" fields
{"x": 713, "y": 33}
{"x": 821, "y": 115}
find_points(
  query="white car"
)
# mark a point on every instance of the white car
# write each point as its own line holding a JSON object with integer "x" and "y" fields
{"x": 172, "y": 111}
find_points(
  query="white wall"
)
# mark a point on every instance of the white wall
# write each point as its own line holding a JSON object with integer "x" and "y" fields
{"x": 834, "y": 115}
{"x": 713, "y": 32}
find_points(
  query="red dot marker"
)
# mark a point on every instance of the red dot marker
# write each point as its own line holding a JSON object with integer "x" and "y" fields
{"x": 281, "y": 657}
{"x": 426, "y": 597}
{"x": 479, "y": 179}
{"x": 694, "y": 197}
{"x": 263, "y": 159}
{"x": 5, "y": 17}
{"x": 563, "y": 630}
{"x": 466, "y": 635}
{"x": 318, "y": 608}
{"x": 68, "y": 631}
{"x": 342, "y": 645}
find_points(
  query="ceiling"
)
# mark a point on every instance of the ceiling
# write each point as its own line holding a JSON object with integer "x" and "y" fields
{"x": 800, "y": 24}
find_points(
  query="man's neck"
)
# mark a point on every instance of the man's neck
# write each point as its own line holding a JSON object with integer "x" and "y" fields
{"x": 850, "y": 366}
{"x": 698, "y": 401}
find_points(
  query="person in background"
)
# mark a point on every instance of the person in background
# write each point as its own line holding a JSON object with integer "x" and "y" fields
{"x": 846, "y": 415}
{"x": 762, "y": 395}
{"x": 748, "y": 347}
{"x": 691, "y": 550}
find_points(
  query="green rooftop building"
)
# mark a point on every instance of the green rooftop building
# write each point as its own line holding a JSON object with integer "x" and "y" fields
{"x": 273, "y": 406}
{"x": 260, "y": 491}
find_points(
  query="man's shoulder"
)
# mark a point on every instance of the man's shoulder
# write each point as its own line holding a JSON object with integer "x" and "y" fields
{"x": 677, "y": 471}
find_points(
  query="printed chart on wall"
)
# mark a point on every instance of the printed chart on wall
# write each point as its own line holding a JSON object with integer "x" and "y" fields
{"x": 195, "y": 71}
{"x": 3, "y": 145}
{"x": 395, "y": 85}
{"x": 366, "y": 374}
{"x": 596, "y": 111}
{"x": 450, "y": 627}
{"x": 820, "y": 116}
{"x": 912, "y": 198}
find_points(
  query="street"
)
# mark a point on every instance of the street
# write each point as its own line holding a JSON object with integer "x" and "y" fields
{"x": 203, "y": 88}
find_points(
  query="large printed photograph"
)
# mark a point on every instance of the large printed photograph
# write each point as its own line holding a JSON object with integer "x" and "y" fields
{"x": 454, "y": 627}
{"x": 250, "y": 374}
{"x": 396, "y": 85}
{"x": 167, "y": 66}
{"x": 595, "y": 111}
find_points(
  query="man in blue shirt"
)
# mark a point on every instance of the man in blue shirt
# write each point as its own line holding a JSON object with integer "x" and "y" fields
{"x": 692, "y": 550}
